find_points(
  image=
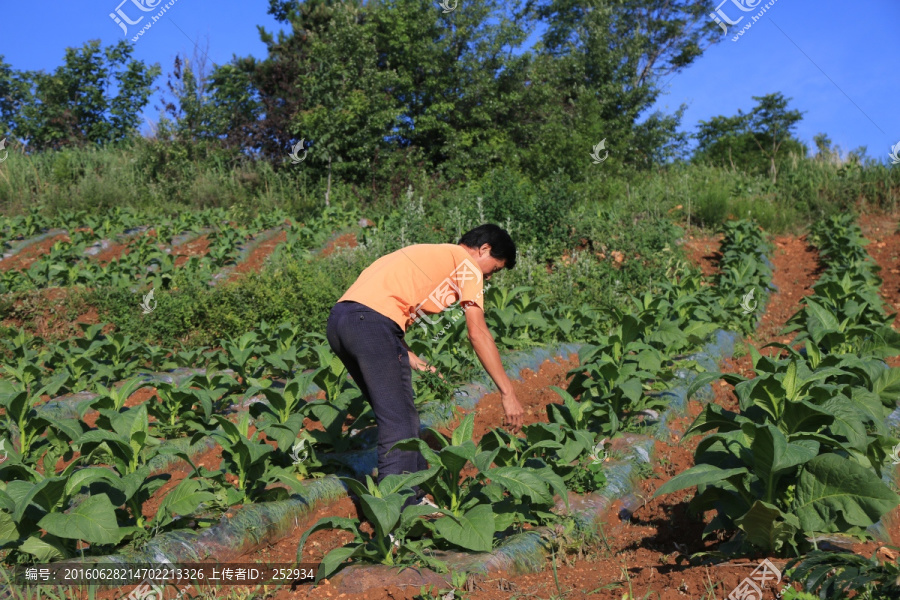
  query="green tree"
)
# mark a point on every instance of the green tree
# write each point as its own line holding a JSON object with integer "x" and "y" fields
{"x": 772, "y": 125}
{"x": 595, "y": 73}
{"x": 13, "y": 93}
{"x": 459, "y": 89}
{"x": 756, "y": 140}
{"x": 74, "y": 105}
{"x": 723, "y": 140}
{"x": 207, "y": 106}
{"x": 400, "y": 76}
{"x": 346, "y": 106}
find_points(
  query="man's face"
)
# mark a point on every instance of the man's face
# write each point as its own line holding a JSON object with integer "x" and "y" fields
{"x": 487, "y": 263}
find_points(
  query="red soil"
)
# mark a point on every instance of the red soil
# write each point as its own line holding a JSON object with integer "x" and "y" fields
{"x": 703, "y": 251}
{"x": 24, "y": 259}
{"x": 198, "y": 247}
{"x": 346, "y": 240}
{"x": 257, "y": 258}
{"x": 884, "y": 248}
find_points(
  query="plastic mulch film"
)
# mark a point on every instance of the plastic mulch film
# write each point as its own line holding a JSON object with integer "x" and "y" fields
{"x": 245, "y": 251}
{"x": 720, "y": 347}
{"x": 235, "y": 535}
{"x": 120, "y": 238}
{"x": 17, "y": 246}
{"x": 893, "y": 420}
{"x": 188, "y": 236}
{"x": 522, "y": 552}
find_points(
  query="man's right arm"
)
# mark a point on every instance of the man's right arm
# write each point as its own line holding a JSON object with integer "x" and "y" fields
{"x": 486, "y": 350}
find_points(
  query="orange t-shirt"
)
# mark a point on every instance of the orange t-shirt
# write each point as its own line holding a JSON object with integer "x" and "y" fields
{"x": 418, "y": 280}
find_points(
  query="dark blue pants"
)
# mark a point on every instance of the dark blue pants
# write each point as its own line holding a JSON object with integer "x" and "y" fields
{"x": 371, "y": 347}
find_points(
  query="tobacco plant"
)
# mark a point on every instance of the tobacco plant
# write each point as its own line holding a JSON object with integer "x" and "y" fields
{"x": 804, "y": 455}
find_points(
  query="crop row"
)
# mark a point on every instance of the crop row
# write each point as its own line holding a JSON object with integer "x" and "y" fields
{"x": 103, "y": 225}
{"x": 806, "y": 453}
{"x": 144, "y": 260}
{"x": 270, "y": 351}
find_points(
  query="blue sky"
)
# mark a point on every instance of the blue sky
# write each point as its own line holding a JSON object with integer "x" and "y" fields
{"x": 833, "y": 58}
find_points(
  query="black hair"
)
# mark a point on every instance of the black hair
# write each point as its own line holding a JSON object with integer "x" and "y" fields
{"x": 501, "y": 244}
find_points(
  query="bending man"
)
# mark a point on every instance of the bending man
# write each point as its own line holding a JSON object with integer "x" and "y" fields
{"x": 367, "y": 325}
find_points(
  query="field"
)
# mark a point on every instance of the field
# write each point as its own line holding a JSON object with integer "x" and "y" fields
{"x": 677, "y": 433}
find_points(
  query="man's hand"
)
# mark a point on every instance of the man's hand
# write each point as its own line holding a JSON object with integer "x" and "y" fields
{"x": 514, "y": 413}
{"x": 420, "y": 365}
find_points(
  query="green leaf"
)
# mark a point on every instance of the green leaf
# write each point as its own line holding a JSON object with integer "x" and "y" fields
{"x": 454, "y": 458}
{"x": 472, "y": 531}
{"x": 184, "y": 500}
{"x": 803, "y": 416}
{"x": 88, "y": 475}
{"x": 46, "y": 494}
{"x": 383, "y": 513}
{"x": 714, "y": 417}
{"x": 8, "y": 529}
{"x": 696, "y": 475}
{"x": 887, "y": 386}
{"x": 46, "y": 549}
{"x": 332, "y": 561}
{"x": 93, "y": 521}
{"x": 773, "y": 457}
{"x": 766, "y": 527}
{"x": 392, "y": 484}
{"x": 521, "y": 482}
{"x": 464, "y": 431}
{"x": 835, "y": 492}
{"x": 790, "y": 382}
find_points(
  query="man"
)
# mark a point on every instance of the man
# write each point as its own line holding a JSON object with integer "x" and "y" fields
{"x": 367, "y": 324}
